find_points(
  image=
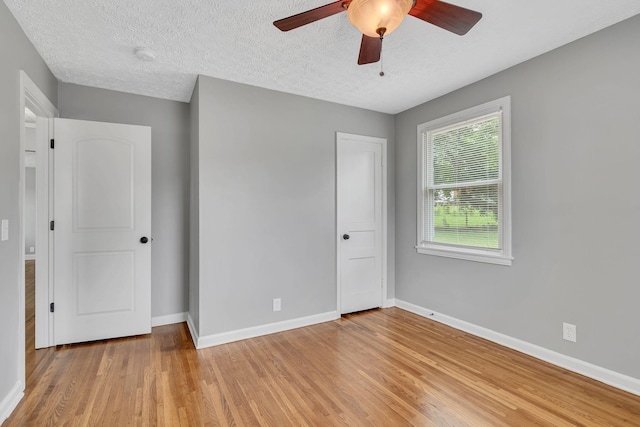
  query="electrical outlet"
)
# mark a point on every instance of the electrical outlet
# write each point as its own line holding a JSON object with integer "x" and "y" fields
{"x": 277, "y": 304}
{"x": 569, "y": 332}
{"x": 32, "y": 249}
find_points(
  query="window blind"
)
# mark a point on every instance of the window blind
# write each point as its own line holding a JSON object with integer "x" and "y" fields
{"x": 463, "y": 183}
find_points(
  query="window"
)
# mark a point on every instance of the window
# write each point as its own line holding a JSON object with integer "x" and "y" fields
{"x": 464, "y": 207}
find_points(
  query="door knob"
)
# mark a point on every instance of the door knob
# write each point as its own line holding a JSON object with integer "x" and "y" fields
{"x": 345, "y": 237}
{"x": 144, "y": 239}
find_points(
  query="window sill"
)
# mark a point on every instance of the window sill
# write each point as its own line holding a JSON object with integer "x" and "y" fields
{"x": 466, "y": 254}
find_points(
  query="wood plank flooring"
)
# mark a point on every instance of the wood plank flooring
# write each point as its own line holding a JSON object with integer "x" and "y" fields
{"x": 378, "y": 368}
{"x": 32, "y": 357}
{"x": 30, "y": 305}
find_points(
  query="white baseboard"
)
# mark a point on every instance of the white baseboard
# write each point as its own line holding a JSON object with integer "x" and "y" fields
{"x": 604, "y": 375}
{"x": 29, "y": 257}
{"x": 192, "y": 330}
{"x": 168, "y": 319}
{"x": 256, "y": 331}
{"x": 10, "y": 401}
{"x": 389, "y": 302}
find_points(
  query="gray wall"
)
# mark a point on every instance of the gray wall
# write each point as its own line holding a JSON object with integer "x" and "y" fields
{"x": 267, "y": 202}
{"x": 17, "y": 53}
{"x": 29, "y": 209}
{"x": 194, "y": 211}
{"x": 169, "y": 121}
{"x": 575, "y": 151}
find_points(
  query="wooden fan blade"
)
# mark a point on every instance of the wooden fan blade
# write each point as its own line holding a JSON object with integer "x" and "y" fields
{"x": 312, "y": 15}
{"x": 452, "y": 18}
{"x": 370, "y": 50}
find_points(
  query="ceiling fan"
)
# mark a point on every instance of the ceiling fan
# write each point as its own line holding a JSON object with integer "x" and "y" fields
{"x": 377, "y": 18}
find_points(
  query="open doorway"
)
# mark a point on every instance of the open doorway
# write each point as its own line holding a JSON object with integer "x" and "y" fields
{"x": 36, "y": 114}
{"x": 29, "y": 227}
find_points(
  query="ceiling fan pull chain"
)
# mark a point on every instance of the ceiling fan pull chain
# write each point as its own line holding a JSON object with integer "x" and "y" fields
{"x": 381, "y": 70}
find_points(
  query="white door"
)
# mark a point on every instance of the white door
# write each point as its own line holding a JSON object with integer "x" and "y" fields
{"x": 360, "y": 213}
{"x": 102, "y": 214}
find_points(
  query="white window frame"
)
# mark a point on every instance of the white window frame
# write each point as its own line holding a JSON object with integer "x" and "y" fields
{"x": 501, "y": 256}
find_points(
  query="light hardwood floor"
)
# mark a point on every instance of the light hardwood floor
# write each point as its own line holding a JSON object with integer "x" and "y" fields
{"x": 32, "y": 357}
{"x": 378, "y": 368}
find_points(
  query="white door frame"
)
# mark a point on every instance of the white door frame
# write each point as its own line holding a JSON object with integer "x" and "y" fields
{"x": 340, "y": 136}
{"x": 32, "y": 97}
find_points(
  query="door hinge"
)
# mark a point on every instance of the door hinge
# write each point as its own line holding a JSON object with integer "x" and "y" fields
{"x": 51, "y": 225}
{"x": 52, "y": 144}
{"x": 52, "y": 307}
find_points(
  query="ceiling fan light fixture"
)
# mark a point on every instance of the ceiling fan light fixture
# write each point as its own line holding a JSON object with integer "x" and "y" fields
{"x": 370, "y": 16}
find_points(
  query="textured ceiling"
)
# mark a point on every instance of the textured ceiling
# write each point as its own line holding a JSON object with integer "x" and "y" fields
{"x": 91, "y": 42}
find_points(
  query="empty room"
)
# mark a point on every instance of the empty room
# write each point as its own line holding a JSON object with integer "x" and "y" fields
{"x": 311, "y": 213}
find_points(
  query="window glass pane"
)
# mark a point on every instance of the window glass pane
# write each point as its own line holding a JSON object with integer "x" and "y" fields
{"x": 465, "y": 216}
{"x": 467, "y": 153}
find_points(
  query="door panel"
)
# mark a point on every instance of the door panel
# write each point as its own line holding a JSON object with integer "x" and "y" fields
{"x": 102, "y": 207}
{"x": 360, "y": 178}
{"x": 103, "y": 199}
{"x": 104, "y": 282}
{"x": 359, "y": 187}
